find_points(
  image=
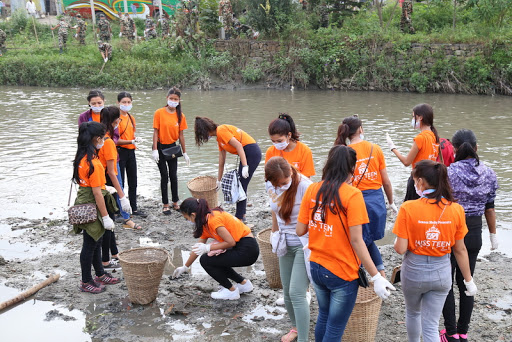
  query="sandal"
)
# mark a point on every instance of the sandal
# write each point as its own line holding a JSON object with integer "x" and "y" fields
{"x": 176, "y": 206}
{"x": 287, "y": 336}
{"x": 133, "y": 225}
{"x": 166, "y": 211}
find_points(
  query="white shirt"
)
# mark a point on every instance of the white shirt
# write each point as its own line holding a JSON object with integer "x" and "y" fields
{"x": 31, "y": 7}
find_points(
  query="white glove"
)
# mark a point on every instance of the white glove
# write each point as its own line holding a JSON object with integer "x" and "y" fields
{"x": 110, "y": 189}
{"x": 471, "y": 289}
{"x": 245, "y": 171}
{"x": 156, "y": 157}
{"x": 200, "y": 248}
{"x": 393, "y": 207}
{"x": 76, "y": 35}
{"x": 125, "y": 205}
{"x": 219, "y": 186}
{"x": 108, "y": 224}
{"x": 135, "y": 34}
{"x": 137, "y": 140}
{"x": 494, "y": 241}
{"x": 120, "y": 34}
{"x": 179, "y": 271}
{"x": 105, "y": 59}
{"x": 380, "y": 286}
{"x": 187, "y": 159}
{"x": 391, "y": 144}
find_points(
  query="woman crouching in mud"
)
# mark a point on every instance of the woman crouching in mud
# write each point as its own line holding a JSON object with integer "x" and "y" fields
{"x": 234, "y": 246}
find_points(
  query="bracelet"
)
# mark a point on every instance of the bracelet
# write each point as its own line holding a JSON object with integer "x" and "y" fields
{"x": 394, "y": 148}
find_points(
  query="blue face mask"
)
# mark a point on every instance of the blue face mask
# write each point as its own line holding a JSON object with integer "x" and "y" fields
{"x": 125, "y": 108}
{"x": 97, "y": 109}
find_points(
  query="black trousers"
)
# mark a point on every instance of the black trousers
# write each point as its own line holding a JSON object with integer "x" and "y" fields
{"x": 128, "y": 165}
{"x": 168, "y": 171}
{"x": 220, "y": 267}
{"x": 473, "y": 242}
{"x": 91, "y": 256}
{"x": 109, "y": 244}
{"x": 253, "y": 156}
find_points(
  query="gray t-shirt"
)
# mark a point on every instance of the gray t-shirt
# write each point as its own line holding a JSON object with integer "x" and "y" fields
{"x": 289, "y": 229}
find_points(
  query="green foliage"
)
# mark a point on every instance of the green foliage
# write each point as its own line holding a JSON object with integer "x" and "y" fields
{"x": 493, "y": 12}
{"x": 270, "y": 17}
{"x": 19, "y": 20}
{"x": 252, "y": 73}
{"x": 208, "y": 17}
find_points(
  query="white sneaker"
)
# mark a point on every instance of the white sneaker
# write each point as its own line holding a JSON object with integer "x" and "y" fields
{"x": 224, "y": 293}
{"x": 245, "y": 288}
{"x": 280, "y": 301}
{"x": 308, "y": 297}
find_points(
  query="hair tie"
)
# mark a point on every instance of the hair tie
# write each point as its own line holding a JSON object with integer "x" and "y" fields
{"x": 437, "y": 165}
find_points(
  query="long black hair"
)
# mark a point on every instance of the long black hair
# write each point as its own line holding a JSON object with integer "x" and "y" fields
{"x": 107, "y": 116}
{"x": 340, "y": 165}
{"x": 201, "y": 209}
{"x": 86, "y": 133}
{"x": 175, "y": 90}
{"x": 202, "y": 128}
{"x": 282, "y": 126}
{"x": 436, "y": 175}
{"x": 347, "y": 129}
{"x": 426, "y": 112}
{"x": 464, "y": 141}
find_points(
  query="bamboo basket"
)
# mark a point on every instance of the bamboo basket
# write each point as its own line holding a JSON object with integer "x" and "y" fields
{"x": 142, "y": 270}
{"x": 270, "y": 260}
{"x": 363, "y": 322}
{"x": 204, "y": 187}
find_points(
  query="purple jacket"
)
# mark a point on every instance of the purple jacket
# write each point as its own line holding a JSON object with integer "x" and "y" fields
{"x": 473, "y": 186}
{"x": 87, "y": 116}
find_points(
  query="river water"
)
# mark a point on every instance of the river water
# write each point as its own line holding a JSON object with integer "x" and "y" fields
{"x": 38, "y": 130}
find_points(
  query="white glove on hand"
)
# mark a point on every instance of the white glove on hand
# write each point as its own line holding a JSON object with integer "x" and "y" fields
{"x": 120, "y": 34}
{"x": 156, "y": 157}
{"x": 137, "y": 140}
{"x": 245, "y": 171}
{"x": 179, "y": 271}
{"x": 471, "y": 289}
{"x": 219, "y": 186}
{"x": 110, "y": 189}
{"x": 390, "y": 142}
{"x": 200, "y": 248}
{"x": 187, "y": 159}
{"x": 105, "y": 59}
{"x": 125, "y": 205}
{"x": 494, "y": 241}
{"x": 135, "y": 34}
{"x": 108, "y": 224}
{"x": 380, "y": 286}
{"x": 76, "y": 35}
{"x": 393, "y": 207}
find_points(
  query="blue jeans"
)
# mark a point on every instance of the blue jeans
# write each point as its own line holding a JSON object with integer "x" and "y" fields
{"x": 336, "y": 299}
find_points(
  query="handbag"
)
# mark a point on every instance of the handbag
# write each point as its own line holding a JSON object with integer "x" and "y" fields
{"x": 172, "y": 152}
{"x": 362, "y": 280}
{"x": 81, "y": 213}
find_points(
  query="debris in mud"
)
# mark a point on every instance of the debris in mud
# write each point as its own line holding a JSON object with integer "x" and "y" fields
{"x": 2, "y": 261}
{"x": 54, "y": 314}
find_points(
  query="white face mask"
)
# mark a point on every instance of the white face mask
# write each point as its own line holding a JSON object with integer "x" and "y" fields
{"x": 418, "y": 191}
{"x": 361, "y": 136}
{"x": 172, "y": 104}
{"x": 286, "y": 186}
{"x": 97, "y": 109}
{"x": 125, "y": 108}
{"x": 415, "y": 124}
{"x": 282, "y": 145}
{"x": 115, "y": 127}
{"x": 100, "y": 145}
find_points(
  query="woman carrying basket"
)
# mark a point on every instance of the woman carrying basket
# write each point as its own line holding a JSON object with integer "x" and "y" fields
{"x": 233, "y": 246}
{"x": 235, "y": 141}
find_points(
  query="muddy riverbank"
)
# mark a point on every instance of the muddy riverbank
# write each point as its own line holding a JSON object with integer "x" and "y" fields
{"x": 184, "y": 310}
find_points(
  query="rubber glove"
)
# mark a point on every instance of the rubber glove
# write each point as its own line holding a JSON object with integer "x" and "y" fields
{"x": 179, "y": 271}
{"x": 390, "y": 142}
{"x": 135, "y": 34}
{"x": 105, "y": 59}
{"x": 120, "y": 34}
{"x": 108, "y": 224}
{"x": 76, "y": 35}
{"x": 380, "y": 286}
{"x": 187, "y": 159}
{"x": 125, "y": 205}
{"x": 393, "y": 207}
{"x": 245, "y": 171}
{"x": 219, "y": 186}
{"x": 471, "y": 289}
{"x": 494, "y": 241}
{"x": 156, "y": 157}
{"x": 137, "y": 140}
{"x": 200, "y": 248}
{"x": 110, "y": 189}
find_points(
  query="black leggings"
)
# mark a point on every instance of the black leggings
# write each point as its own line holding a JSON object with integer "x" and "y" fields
{"x": 109, "y": 244}
{"x": 253, "y": 156}
{"x": 165, "y": 174}
{"x": 473, "y": 242}
{"x": 128, "y": 163}
{"x": 220, "y": 267}
{"x": 91, "y": 255}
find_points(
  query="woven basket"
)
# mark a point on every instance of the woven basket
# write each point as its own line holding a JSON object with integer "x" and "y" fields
{"x": 204, "y": 187}
{"x": 142, "y": 270}
{"x": 362, "y": 324}
{"x": 270, "y": 260}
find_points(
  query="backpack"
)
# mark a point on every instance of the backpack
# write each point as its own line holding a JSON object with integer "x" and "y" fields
{"x": 446, "y": 149}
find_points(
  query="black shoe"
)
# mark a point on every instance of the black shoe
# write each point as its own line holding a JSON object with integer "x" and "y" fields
{"x": 119, "y": 219}
{"x": 139, "y": 213}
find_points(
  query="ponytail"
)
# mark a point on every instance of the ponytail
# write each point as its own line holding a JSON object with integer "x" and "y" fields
{"x": 175, "y": 90}
{"x": 436, "y": 175}
{"x": 201, "y": 209}
{"x": 283, "y": 125}
{"x": 347, "y": 130}
{"x": 343, "y": 133}
{"x": 464, "y": 142}
{"x": 86, "y": 133}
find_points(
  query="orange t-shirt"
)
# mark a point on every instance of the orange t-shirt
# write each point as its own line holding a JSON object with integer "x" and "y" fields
{"x": 108, "y": 152}
{"x": 328, "y": 242}
{"x": 372, "y": 178}
{"x": 96, "y": 117}
{"x": 428, "y": 148}
{"x": 217, "y": 219}
{"x": 167, "y": 125}
{"x": 97, "y": 178}
{"x": 418, "y": 222}
{"x": 300, "y": 157}
{"x": 226, "y": 132}
{"x": 127, "y": 130}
